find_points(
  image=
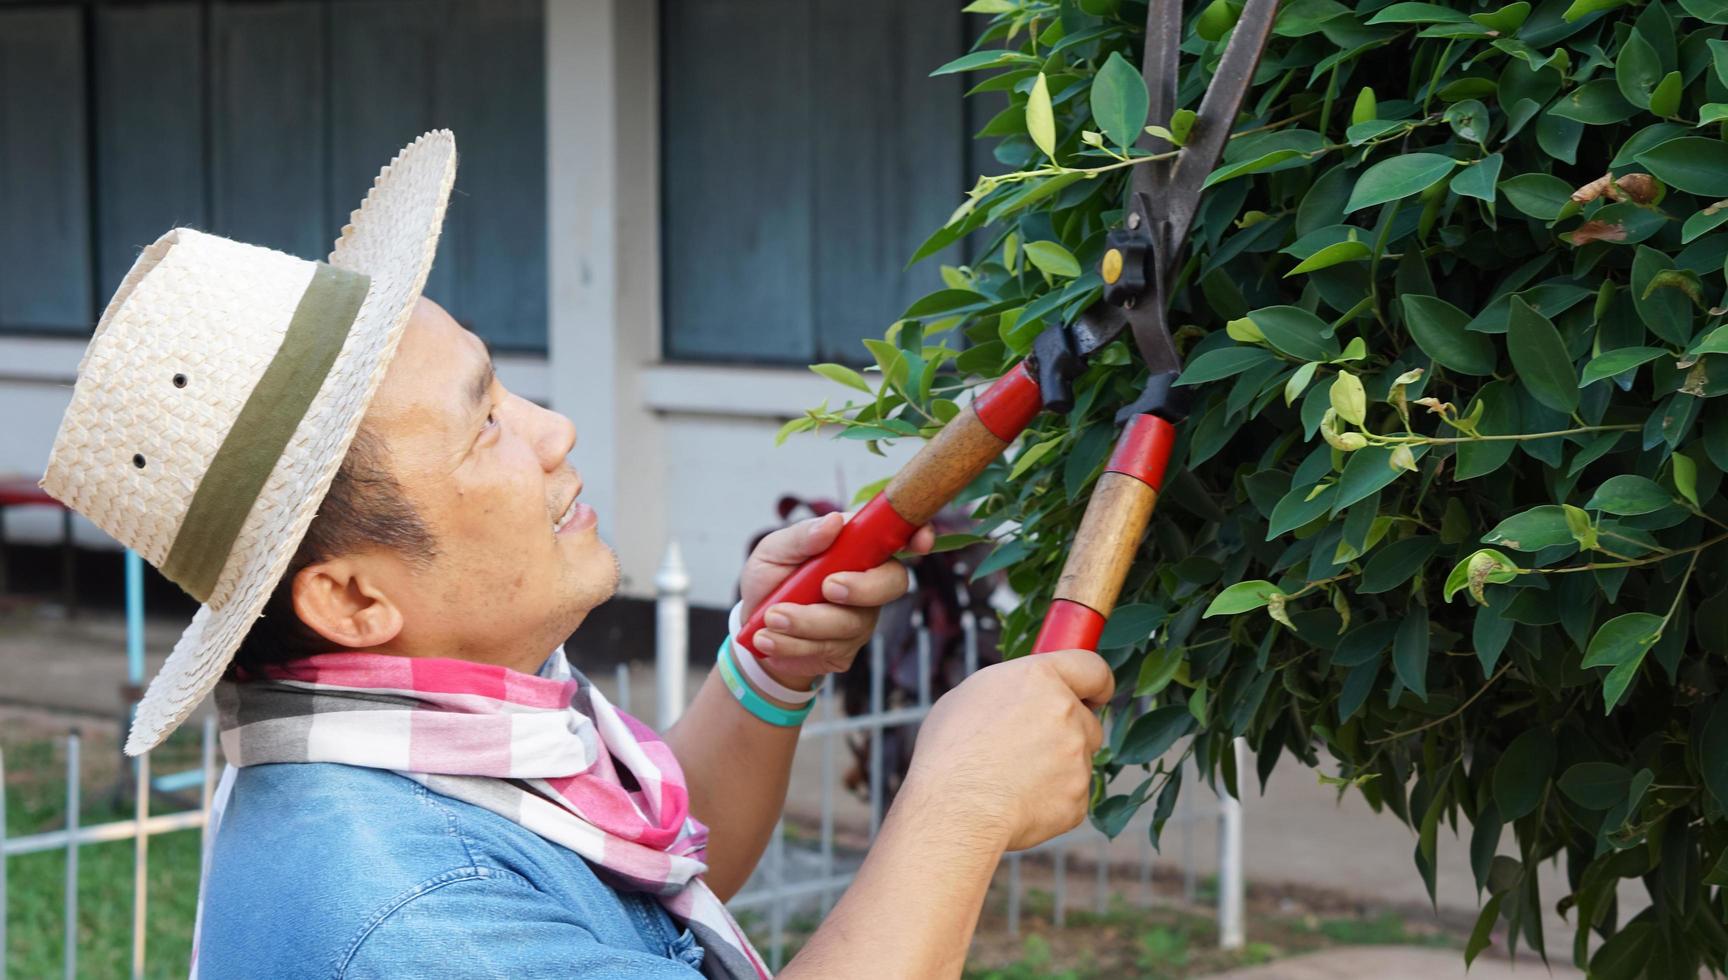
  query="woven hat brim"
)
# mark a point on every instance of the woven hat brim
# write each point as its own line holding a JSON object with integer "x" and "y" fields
{"x": 392, "y": 238}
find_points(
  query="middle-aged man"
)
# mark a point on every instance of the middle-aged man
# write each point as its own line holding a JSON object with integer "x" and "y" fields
{"x": 389, "y": 548}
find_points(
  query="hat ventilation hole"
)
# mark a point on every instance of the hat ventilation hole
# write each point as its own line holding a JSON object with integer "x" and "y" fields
{"x": 138, "y": 460}
{"x": 179, "y": 381}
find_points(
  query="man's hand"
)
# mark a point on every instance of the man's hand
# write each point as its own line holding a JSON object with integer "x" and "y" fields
{"x": 801, "y": 643}
{"x": 1011, "y": 748}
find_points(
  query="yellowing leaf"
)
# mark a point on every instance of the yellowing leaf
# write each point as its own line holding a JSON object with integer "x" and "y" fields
{"x": 1348, "y": 398}
{"x": 1040, "y": 118}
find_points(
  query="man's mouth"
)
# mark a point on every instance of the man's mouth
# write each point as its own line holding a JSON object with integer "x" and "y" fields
{"x": 577, "y": 517}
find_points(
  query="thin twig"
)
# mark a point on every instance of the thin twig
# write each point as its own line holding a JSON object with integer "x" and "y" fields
{"x": 1447, "y": 717}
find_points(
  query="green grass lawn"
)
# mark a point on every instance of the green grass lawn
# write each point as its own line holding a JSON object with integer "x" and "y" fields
{"x": 36, "y": 889}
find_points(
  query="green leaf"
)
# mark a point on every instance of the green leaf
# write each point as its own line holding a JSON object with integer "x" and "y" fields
{"x": 1506, "y": 20}
{"x": 1704, "y": 221}
{"x": 1540, "y": 196}
{"x": 1596, "y": 785}
{"x": 1181, "y": 124}
{"x": 1041, "y": 118}
{"x": 1597, "y": 103}
{"x": 1214, "y": 21}
{"x": 1155, "y": 733}
{"x": 1637, "y": 70}
{"x": 1410, "y": 651}
{"x": 1366, "y": 108}
{"x": 1543, "y": 526}
{"x": 1713, "y": 751}
{"x": 1157, "y": 670}
{"x": 980, "y": 60}
{"x": 1624, "y": 955}
{"x": 1709, "y": 11}
{"x": 1119, "y": 100}
{"x": 1692, "y": 164}
{"x": 1628, "y": 495}
{"x": 1482, "y": 933}
{"x": 1497, "y": 403}
{"x": 1008, "y": 553}
{"x": 1621, "y": 643}
{"x": 1131, "y": 624}
{"x": 1334, "y": 254}
{"x": 1522, "y": 772}
{"x": 1299, "y": 381}
{"x": 1438, "y": 328}
{"x": 1029, "y": 457}
{"x": 1242, "y": 597}
{"x": 844, "y": 375}
{"x": 1540, "y": 357}
{"x": 1686, "y": 477}
{"x": 1615, "y": 362}
{"x": 1394, "y": 564}
{"x": 1223, "y": 363}
{"x": 1665, "y": 100}
{"x": 1398, "y": 177}
{"x": 1479, "y": 179}
{"x": 1294, "y": 331}
{"x": 1052, "y": 258}
{"x": 1368, "y": 470}
{"x": 1418, "y": 13}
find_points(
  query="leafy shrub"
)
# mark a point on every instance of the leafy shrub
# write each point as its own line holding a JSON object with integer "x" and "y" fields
{"x": 1449, "y": 505}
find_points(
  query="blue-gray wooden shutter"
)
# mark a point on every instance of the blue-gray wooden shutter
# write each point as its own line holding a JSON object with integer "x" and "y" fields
{"x": 268, "y": 71}
{"x": 45, "y": 262}
{"x": 806, "y": 153}
{"x": 150, "y": 129}
{"x": 479, "y": 70}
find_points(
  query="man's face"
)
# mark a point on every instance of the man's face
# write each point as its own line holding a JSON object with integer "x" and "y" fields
{"x": 519, "y": 563}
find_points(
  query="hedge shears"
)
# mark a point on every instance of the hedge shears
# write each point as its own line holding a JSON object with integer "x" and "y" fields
{"x": 1137, "y": 268}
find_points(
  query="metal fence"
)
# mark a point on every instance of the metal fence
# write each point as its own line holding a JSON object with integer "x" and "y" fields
{"x": 807, "y": 865}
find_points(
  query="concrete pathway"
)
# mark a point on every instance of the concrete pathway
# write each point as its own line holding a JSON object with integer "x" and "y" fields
{"x": 1297, "y": 833}
{"x": 1401, "y": 962}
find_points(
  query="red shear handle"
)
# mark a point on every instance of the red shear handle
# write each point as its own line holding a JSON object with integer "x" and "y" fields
{"x": 1116, "y": 519}
{"x": 924, "y": 486}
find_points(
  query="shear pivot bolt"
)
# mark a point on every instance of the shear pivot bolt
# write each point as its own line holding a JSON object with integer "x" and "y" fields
{"x": 1111, "y": 267}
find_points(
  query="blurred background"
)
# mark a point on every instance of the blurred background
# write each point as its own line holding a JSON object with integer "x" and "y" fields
{"x": 663, "y": 211}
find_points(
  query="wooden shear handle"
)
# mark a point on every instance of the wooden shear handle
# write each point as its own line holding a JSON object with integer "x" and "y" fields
{"x": 926, "y": 484}
{"x": 1110, "y": 533}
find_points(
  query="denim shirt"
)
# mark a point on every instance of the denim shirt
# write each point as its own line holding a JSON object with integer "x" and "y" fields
{"x": 325, "y": 870}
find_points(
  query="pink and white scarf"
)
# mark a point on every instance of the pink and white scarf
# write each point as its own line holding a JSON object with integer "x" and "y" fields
{"x": 548, "y": 752}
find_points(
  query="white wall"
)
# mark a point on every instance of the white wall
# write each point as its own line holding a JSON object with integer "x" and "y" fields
{"x": 666, "y": 451}
{"x": 722, "y": 474}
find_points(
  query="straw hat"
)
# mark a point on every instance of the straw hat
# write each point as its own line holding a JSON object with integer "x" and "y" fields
{"x": 219, "y": 395}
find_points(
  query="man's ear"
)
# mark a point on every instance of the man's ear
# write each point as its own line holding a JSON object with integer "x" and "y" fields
{"x": 339, "y": 601}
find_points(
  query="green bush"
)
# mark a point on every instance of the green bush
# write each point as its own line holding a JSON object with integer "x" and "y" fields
{"x": 1448, "y": 506}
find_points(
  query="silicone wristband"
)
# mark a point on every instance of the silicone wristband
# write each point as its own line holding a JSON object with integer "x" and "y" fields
{"x": 755, "y": 703}
{"x": 752, "y": 668}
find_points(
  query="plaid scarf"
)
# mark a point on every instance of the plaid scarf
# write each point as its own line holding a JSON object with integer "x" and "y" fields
{"x": 548, "y": 752}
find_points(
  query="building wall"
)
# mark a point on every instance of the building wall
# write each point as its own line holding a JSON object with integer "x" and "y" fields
{"x": 668, "y": 451}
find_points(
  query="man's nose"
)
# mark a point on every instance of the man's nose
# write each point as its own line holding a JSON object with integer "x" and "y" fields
{"x": 556, "y": 439}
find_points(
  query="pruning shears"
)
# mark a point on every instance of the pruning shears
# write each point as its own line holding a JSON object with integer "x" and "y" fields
{"x": 1137, "y": 268}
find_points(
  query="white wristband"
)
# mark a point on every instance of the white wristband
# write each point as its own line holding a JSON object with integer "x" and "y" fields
{"x": 752, "y": 667}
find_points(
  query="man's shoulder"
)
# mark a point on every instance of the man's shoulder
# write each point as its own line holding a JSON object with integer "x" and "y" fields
{"x": 310, "y": 855}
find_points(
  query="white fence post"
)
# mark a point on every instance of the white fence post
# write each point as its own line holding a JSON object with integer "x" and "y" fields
{"x": 671, "y": 636}
{"x": 1230, "y": 889}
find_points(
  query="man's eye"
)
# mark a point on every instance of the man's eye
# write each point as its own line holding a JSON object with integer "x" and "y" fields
{"x": 490, "y": 420}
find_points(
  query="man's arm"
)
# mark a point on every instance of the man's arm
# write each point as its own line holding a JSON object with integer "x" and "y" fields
{"x": 1003, "y": 763}
{"x": 736, "y": 765}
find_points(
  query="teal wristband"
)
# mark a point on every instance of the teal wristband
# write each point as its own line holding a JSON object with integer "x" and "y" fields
{"x": 755, "y": 703}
